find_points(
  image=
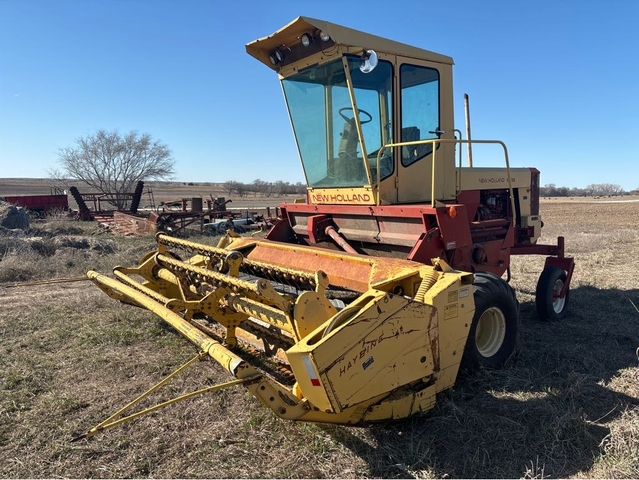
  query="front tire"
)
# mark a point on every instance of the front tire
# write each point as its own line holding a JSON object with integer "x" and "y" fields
{"x": 492, "y": 338}
{"x": 549, "y": 305}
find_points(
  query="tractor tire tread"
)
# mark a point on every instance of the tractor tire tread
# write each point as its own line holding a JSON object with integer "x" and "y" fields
{"x": 489, "y": 290}
{"x": 543, "y": 294}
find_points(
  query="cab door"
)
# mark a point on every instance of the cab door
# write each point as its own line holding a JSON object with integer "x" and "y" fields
{"x": 425, "y": 112}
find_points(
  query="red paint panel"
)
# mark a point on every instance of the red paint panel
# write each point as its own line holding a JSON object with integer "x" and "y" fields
{"x": 455, "y": 231}
{"x": 38, "y": 202}
{"x": 428, "y": 246}
{"x": 471, "y": 199}
{"x": 316, "y": 226}
{"x": 403, "y": 211}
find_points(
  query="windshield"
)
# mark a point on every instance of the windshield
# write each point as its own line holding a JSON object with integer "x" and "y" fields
{"x": 324, "y": 124}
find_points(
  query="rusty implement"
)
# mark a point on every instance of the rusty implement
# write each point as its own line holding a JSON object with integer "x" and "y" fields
{"x": 347, "y": 339}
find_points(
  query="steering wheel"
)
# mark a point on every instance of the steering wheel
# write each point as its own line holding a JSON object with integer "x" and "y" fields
{"x": 361, "y": 112}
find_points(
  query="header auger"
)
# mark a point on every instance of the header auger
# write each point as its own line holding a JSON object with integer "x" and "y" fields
{"x": 363, "y": 302}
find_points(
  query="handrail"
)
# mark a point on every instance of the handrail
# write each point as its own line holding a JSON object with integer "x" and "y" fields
{"x": 434, "y": 142}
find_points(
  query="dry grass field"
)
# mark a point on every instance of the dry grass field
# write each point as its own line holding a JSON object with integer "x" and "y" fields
{"x": 567, "y": 405}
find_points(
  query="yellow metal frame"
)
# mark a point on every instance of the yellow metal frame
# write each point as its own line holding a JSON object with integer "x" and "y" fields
{"x": 394, "y": 293}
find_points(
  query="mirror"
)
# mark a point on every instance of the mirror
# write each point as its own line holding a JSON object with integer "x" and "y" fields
{"x": 368, "y": 61}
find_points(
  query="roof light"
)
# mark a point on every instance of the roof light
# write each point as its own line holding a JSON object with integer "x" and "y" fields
{"x": 306, "y": 39}
{"x": 324, "y": 37}
{"x": 276, "y": 56}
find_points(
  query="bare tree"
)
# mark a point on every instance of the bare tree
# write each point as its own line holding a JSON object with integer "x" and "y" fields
{"x": 261, "y": 187}
{"x": 604, "y": 189}
{"x": 231, "y": 187}
{"x": 111, "y": 163}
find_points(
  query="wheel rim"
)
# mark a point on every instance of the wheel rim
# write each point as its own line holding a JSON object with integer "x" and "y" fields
{"x": 490, "y": 332}
{"x": 557, "y": 302}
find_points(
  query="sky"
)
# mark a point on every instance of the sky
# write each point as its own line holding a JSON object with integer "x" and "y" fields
{"x": 555, "y": 80}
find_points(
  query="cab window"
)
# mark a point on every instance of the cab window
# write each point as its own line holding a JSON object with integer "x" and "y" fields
{"x": 419, "y": 110}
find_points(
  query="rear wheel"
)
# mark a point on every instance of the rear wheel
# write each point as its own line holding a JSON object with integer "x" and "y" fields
{"x": 549, "y": 305}
{"x": 493, "y": 334}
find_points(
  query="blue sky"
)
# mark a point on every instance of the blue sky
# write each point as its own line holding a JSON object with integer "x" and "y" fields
{"x": 556, "y": 80}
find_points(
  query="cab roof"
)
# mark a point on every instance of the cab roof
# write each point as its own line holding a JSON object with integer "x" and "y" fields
{"x": 348, "y": 37}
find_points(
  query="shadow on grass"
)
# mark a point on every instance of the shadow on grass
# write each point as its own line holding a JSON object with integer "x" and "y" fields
{"x": 544, "y": 414}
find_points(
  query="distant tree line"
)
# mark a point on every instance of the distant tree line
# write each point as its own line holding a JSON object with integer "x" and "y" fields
{"x": 267, "y": 189}
{"x": 262, "y": 188}
{"x": 592, "y": 190}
